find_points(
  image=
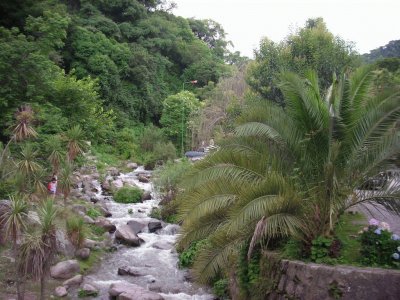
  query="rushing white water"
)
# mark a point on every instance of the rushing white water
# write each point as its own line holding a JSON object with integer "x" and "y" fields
{"x": 156, "y": 259}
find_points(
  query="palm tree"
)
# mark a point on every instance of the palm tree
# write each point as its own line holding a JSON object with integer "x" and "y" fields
{"x": 38, "y": 249}
{"x": 13, "y": 220}
{"x": 290, "y": 171}
{"x": 75, "y": 142}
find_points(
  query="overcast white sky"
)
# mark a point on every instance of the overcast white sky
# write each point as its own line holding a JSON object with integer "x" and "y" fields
{"x": 368, "y": 23}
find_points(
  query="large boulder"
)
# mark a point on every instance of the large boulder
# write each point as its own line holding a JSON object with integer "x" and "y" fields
{"x": 64, "y": 245}
{"x": 74, "y": 281}
{"x": 65, "y": 269}
{"x": 127, "y": 236}
{"x": 105, "y": 224}
{"x": 130, "y": 291}
{"x": 136, "y": 226}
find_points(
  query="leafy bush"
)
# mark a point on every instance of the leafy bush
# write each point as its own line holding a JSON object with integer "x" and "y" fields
{"x": 379, "y": 245}
{"x": 187, "y": 256}
{"x": 128, "y": 195}
{"x": 220, "y": 288}
{"x": 325, "y": 250}
{"x": 93, "y": 213}
{"x": 167, "y": 177}
{"x": 76, "y": 231}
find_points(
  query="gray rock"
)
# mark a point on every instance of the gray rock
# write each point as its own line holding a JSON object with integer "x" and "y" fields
{"x": 127, "y": 236}
{"x": 102, "y": 207}
{"x": 113, "y": 171}
{"x": 65, "y": 269}
{"x": 136, "y": 226}
{"x": 82, "y": 253}
{"x": 64, "y": 245}
{"x": 143, "y": 179}
{"x": 117, "y": 184}
{"x": 132, "y": 165}
{"x": 154, "y": 226}
{"x": 88, "y": 220}
{"x": 79, "y": 209}
{"x": 33, "y": 218}
{"x": 163, "y": 245}
{"x": 106, "y": 185}
{"x": 60, "y": 291}
{"x": 76, "y": 280}
{"x": 130, "y": 291}
{"x": 146, "y": 196}
{"x": 90, "y": 290}
{"x": 105, "y": 224}
{"x": 88, "y": 243}
{"x": 131, "y": 271}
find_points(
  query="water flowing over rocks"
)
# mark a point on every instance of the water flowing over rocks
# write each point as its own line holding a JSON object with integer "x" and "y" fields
{"x": 129, "y": 291}
{"x": 145, "y": 264}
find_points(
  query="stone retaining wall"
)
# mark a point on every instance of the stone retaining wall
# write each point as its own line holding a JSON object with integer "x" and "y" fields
{"x": 309, "y": 281}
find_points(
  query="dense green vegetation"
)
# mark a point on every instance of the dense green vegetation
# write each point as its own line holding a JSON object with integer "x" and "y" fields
{"x": 299, "y": 128}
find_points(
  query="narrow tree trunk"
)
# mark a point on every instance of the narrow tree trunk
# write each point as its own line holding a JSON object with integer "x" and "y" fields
{"x": 20, "y": 295}
{"x": 42, "y": 287}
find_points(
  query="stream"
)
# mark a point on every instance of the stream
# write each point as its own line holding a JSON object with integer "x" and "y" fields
{"x": 155, "y": 261}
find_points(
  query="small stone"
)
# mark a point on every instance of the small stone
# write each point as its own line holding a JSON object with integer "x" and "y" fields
{"x": 82, "y": 253}
{"x": 60, "y": 291}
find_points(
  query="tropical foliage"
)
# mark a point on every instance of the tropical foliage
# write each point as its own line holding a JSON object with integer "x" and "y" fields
{"x": 289, "y": 172}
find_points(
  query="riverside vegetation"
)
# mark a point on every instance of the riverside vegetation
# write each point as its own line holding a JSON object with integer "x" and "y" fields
{"x": 300, "y": 127}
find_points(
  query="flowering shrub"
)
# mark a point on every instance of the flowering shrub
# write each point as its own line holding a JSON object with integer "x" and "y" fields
{"x": 380, "y": 247}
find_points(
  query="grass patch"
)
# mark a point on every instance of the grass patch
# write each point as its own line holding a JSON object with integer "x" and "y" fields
{"x": 93, "y": 259}
{"x": 347, "y": 231}
{"x": 96, "y": 233}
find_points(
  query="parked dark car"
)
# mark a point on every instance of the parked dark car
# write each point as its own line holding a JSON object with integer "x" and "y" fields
{"x": 375, "y": 183}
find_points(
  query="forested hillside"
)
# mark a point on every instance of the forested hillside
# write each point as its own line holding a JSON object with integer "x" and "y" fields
{"x": 390, "y": 50}
{"x": 101, "y": 64}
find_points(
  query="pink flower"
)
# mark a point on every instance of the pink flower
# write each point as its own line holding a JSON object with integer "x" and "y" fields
{"x": 373, "y": 222}
{"x": 385, "y": 226}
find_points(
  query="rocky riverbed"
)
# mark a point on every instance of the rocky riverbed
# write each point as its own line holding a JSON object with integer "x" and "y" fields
{"x": 143, "y": 263}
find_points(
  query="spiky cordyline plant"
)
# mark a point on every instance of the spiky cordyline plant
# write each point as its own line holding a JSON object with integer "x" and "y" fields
{"x": 13, "y": 220}
{"x": 75, "y": 142}
{"x": 38, "y": 249}
{"x": 291, "y": 171}
{"x": 56, "y": 156}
